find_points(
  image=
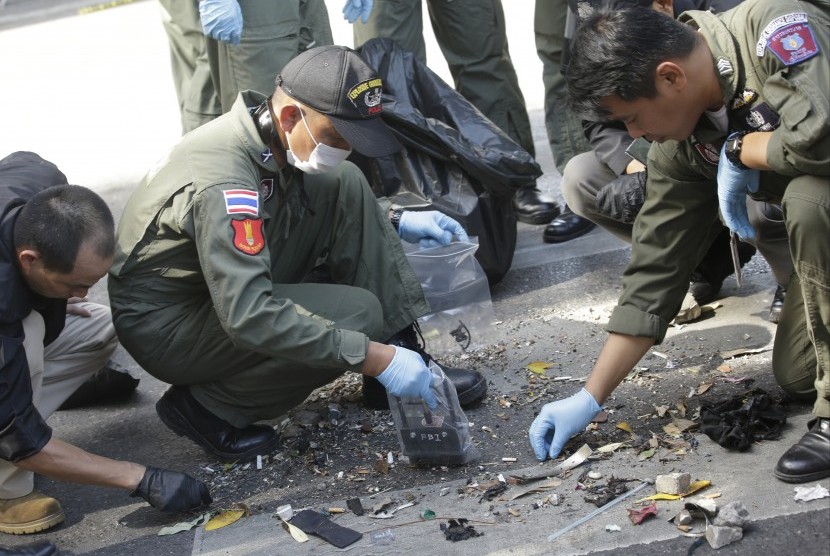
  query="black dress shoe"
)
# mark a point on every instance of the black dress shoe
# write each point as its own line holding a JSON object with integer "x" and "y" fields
{"x": 809, "y": 458}
{"x": 182, "y": 414}
{"x": 110, "y": 383}
{"x": 532, "y": 207}
{"x": 469, "y": 384}
{"x": 566, "y": 227}
{"x": 777, "y": 304}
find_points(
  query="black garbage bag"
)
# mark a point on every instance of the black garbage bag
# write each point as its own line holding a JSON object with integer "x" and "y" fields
{"x": 454, "y": 159}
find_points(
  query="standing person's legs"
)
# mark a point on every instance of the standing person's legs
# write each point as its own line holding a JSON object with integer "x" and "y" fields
{"x": 198, "y": 102}
{"x": 564, "y": 128}
{"x": 802, "y": 342}
{"x": 401, "y": 20}
{"x": 271, "y": 36}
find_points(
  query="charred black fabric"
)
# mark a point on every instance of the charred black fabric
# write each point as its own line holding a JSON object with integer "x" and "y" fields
{"x": 314, "y": 523}
{"x": 458, "y": 530}
{"x": 738, "y": 422}
{"x": 454, "y": 159}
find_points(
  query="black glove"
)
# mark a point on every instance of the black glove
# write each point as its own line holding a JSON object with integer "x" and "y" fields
{"x": 623, "y": 198}
{"x": 41, "y": 548}
{"x": 171, "y": 491}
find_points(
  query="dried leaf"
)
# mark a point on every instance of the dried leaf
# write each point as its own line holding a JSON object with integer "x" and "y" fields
{"x": 661, "y": 410}
{"x": 660, "y": 496}
{"x": 645, "y": 454}
{"x": 504, "y": 403}
{"x": 537, "y": 489}
{"x": 223, "y": 519}
{"x": 514, "y": 512}
{"x": 725, "y": 368}
{"x": 625, "y": 426}
{"x": 538, "y": 367}
{"x": 185, "y": 525}
{"x": 381, "y": 466}
{"x": 703, "y": 388}
{"x": 610, "y": 447}
{"x": 696, "y": 486}
{"x": 295, "y": 532}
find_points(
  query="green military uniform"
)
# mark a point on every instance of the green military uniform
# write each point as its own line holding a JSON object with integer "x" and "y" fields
{"x": 472, "y": 36}
{"x": 208, "y": 74}
{"x": 198, "y": 102}
{"x": 564, "y": 128}
{"x": 273, "y": 32}
{"x": 211, "y": 249}
{"x": 772, "y": 60}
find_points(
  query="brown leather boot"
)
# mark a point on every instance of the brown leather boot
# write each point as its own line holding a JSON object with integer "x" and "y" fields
{"x": 29, "y": 514}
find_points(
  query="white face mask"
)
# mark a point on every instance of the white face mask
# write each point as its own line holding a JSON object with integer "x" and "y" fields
{"x": 322, "y": 159}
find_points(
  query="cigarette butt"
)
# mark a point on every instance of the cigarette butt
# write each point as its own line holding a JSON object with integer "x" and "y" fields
{"x": 508, "y": 460}
{"x": 259, "y": 462}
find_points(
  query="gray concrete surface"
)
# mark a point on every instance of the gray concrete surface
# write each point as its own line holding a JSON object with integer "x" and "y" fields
{"x": 93, "y": 94}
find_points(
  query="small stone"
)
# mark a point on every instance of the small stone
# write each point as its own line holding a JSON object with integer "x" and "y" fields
{"x": 673, "y": 483}
{"x": 707, "y": 505}
{"x": 594, "y": 475}
{"x": 733, "y": 514}
{"x": 721, "y": 535}
{"x": 683, "y": 518}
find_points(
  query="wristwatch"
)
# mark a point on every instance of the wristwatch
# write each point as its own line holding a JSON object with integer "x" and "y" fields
{"x": 396, "y": 218}
{"x": 734, "y": 143}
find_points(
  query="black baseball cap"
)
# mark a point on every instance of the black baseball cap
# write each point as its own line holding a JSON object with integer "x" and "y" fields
{"x": 337, "y": 82}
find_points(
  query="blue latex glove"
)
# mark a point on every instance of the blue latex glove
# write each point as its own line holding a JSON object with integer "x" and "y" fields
{"x": 407, "y": 376}
{"x": 221, "y": 20}
{"x": 734, "y": 183}
{"x": 355, "y": 8}
{"x": 430, "y": 228}
{"x": 559, "y": 421}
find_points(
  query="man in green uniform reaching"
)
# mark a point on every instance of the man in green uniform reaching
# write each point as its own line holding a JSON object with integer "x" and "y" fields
{"x": 737, "y": 104}
{"x": 206, "y": 286}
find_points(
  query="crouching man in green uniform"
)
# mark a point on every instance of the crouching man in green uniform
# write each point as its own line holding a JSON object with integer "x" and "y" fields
{"x": 737, "y": 104}
{"x": 207, "y": 284}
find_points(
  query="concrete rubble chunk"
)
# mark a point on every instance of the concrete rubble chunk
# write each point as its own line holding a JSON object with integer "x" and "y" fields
{"x": 673, "y": 483}
{"x": 721, "y": 535}
{"x": 683, "y": 518}
{"x": 733, "y": 514}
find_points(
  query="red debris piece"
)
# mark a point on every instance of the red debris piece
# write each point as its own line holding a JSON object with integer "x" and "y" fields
{"x": 638, "y": 515}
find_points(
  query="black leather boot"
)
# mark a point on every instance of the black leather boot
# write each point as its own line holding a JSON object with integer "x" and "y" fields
{"x": 532, "y": 207}
{"x": 182, "y": 414}
{"x": 469, "y": 384}
{"x": 567, "y": 226}
{"x": 809, "y": 458}
{"x": 777, "y": 304}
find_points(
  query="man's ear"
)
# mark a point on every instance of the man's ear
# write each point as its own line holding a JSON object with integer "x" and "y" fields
{"x": 27, "y": 258}
{"x": 671, "y": 76}
{"x": 664, "y": 6}
{"x": 289, "y": 115}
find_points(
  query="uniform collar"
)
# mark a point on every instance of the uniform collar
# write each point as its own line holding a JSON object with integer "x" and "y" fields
{"x": 246, "y": 130}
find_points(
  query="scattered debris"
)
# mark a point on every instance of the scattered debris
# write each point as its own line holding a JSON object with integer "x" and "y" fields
{"x": 638, "y": 515}
{"x": 577, "y": 458}
{"x": 719, "y": 536}
{"x": 608, "y": 448}
{"x": 493, "y": 491}
{"x": 458, "y": 530}
{"x": 598, "y": 511}
{"x": 427, "y": 514}
{"x": 600, "y": 495}
{"x": 355, "y": 506}
{"x": 613, "y": 528}
{"x": 538, "y": 488}
{"x": 729, "y": 354}
{"x": 741, "y": 420}
{"x": 806, "y": 493}
{"x": 594, "y": 475}
{"x": 382, "y": 538}
{"x": 314, "y": 523}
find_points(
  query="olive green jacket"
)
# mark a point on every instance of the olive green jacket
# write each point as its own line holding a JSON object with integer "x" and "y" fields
{"x": 188, "y": 237}
{"x": 762, "y": 93}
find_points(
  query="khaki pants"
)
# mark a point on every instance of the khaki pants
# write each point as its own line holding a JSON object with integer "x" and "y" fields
{"x": 58, "y": 370}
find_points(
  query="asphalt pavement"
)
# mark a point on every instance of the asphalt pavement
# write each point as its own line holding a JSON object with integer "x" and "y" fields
{"x": 92, "y": 92}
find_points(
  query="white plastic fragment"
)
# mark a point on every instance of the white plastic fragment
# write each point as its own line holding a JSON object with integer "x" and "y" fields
{"x": 285, "y": 512}
{"x": 613, "y": 528}
{"x": 808, "y": 493}
{"x": 390, "y": 459}
{"x": 259, "y": 462}
{"x": 594, "y": 475}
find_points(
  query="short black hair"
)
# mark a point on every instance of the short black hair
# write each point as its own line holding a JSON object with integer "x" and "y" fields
{"x": 58, "y": 220}
{"x": 616, "y": 51}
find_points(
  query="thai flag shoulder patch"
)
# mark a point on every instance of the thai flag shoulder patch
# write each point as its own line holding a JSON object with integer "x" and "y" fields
{"x": 241, "y": 201}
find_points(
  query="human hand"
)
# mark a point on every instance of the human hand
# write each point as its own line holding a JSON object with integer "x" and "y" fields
{"x": 430, "y": 228}
{"x": 734, "y": 183}
{"x": 221, "y": 20}
{"x": 623, "y": 198}
{"x": 407, "y": 376}
{"x": 355, "y": 8}
{"x": 559, "y": 421}
{"x": 171, "y": 491}
{"x": 72, "y": 307}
